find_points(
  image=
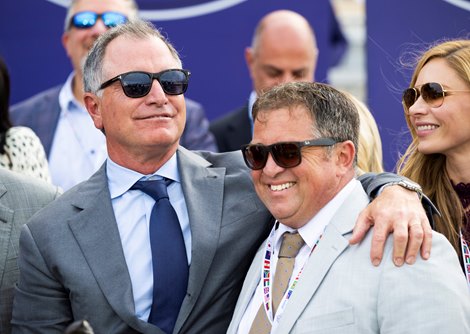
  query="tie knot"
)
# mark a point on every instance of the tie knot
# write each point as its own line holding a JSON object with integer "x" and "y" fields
{"x": 291, "y": 244}
{"x": 155, "y": 188}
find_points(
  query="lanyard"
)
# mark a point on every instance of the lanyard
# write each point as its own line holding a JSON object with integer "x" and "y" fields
{"x": 466, "y": 258}
{"x": 266, "y": 279}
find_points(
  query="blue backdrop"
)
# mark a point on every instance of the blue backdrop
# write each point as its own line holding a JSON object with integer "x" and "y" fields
{"x": 212, "y": 45}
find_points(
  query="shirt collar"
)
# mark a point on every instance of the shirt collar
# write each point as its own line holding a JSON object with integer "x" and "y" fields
{"x": 120, "y": 179}
{"x": 311, "y": 231}
{"x": 67, "y": 101}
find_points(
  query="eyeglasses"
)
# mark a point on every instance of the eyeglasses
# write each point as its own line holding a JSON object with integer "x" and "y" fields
{"x": 285, "y": 154}
{"x": 137, "y": 84}
{"x": 85, "y": 20}
{"x": 432, "y": 92}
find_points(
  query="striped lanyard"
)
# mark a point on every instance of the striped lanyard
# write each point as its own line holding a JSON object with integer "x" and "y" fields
{"x": 266, "y": 279}
{"x": 466, "y": 258}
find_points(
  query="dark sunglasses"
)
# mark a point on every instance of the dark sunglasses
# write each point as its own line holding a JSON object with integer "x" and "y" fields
{"x": 85, "y": 20}
{"x": 432, "y": 92}
{"x": 285, "y": 154}
{"x": 137, "y": 84}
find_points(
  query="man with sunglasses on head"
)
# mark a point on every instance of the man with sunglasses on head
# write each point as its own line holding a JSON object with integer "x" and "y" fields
{"x": 75, "y": 149}
{"x": 103, "y": 251}
{"x": 307, "y": 277}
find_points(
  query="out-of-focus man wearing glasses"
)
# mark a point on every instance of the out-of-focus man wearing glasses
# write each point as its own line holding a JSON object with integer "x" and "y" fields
{"x": 74, "y": 147}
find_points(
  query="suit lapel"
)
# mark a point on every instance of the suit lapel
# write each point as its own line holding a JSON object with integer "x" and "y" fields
{"x": 201, "y": 185}
{"x": 330, "y": 247}
{"x": 96, "y": 231}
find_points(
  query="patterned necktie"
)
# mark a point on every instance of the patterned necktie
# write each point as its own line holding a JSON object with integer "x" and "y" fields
{"x": 290, "y": 246}
{"x": 169, "y": 260}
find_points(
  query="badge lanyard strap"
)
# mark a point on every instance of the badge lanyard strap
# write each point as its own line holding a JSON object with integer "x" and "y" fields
{"x": 466, "y": 257}
{"x": 266, "y": 279}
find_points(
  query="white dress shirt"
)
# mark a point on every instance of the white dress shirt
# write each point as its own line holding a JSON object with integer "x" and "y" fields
{"x": 132, "y": 209}
{"x": 310, "y": 232}
{"x": 78, "y": 148}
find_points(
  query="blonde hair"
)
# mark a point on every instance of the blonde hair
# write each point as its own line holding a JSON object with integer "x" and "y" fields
{"x": 429, "y": 170}
{"x": 369, "y": 155}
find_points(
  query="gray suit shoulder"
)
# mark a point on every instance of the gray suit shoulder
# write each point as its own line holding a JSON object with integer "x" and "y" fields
{"x": 223, "y": 158}
{"x": 20, "y": 198}
{"x": 232, "y": 161}
{"x": 31, "y": 189}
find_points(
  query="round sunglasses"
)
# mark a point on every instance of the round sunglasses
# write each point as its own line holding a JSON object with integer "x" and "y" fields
{"x": 137, "y": 84}
{"x": 432, "y": 93}
{"x": 285, "y": 154}
{"x": 85, "y": 20}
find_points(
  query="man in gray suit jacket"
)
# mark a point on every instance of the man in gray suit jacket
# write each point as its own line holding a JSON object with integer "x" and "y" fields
{"x": 60, "y": 119}
{"x": 89, "y": 254}
{"x": 20, "y": 198}
{"x": 331, "y": 286}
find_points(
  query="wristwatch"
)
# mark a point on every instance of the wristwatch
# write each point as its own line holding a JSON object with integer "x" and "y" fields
{"x": 407, "y": 184}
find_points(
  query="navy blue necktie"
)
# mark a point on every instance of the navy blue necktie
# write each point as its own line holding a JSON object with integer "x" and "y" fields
{"x": 169, "y": 260}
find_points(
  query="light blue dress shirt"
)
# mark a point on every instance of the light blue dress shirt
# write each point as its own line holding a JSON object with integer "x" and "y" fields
{"x": 132, "y": 209}
{"x": 78, "y": 148}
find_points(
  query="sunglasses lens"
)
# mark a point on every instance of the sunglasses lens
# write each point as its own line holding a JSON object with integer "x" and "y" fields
{"x": 286, "y": 155}
{"x": 112, "y": 19}
{"x": 255, "y": 156}
{"x": 136, "y": 84}
{"x": 410, "y": 96}
{"x": 84, "y": 20}
{"x": 174, "y": 82}
{"x": 433, "y": 94}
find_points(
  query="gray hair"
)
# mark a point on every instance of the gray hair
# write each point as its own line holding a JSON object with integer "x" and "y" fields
{"x": 134, "y": 12}
{"x": 333, "y": 113}
{"x": 137, "y": 29}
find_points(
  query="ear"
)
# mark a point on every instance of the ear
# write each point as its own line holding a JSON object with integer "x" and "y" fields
{"x": 65, "y": 40}
{"x": 249, "y": 58}
{"x": 345, "y": 153}
{"x": 93, "y": 106}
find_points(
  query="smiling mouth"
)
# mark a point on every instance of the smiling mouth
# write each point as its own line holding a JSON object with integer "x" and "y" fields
{"x": 156, "y": 117}
{"x": 280, "y": 187}
{"x": 426, "y": 127}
